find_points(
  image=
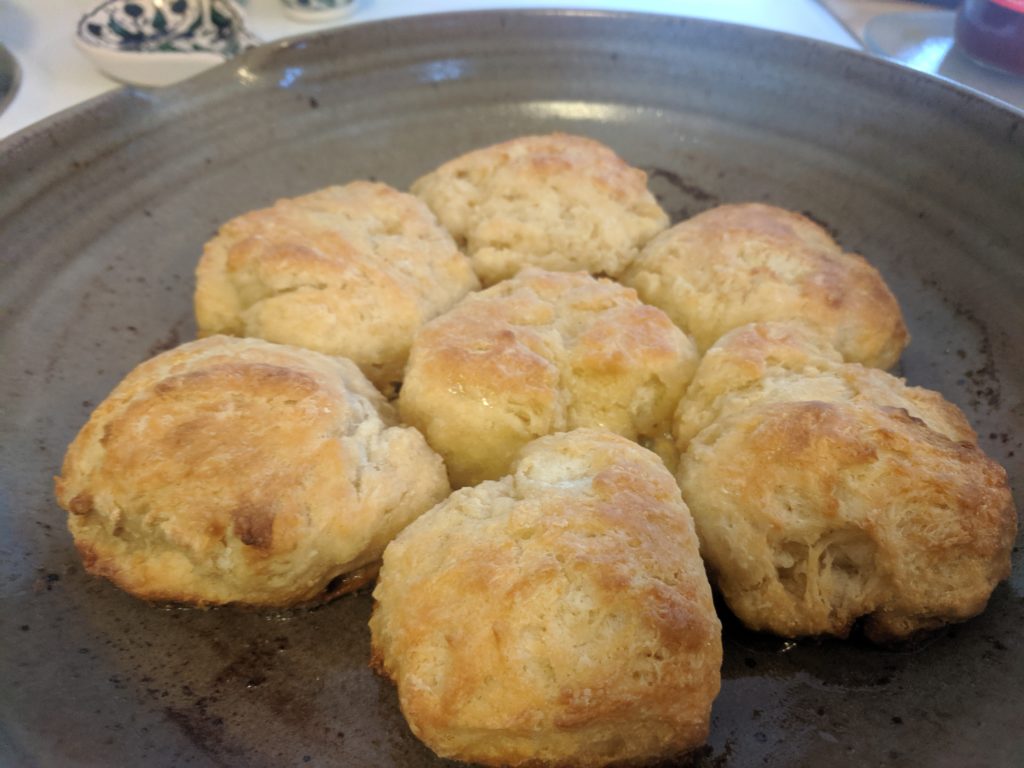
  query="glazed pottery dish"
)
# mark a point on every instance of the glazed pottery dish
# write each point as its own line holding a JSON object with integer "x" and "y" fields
{"x": 103, "y": 219}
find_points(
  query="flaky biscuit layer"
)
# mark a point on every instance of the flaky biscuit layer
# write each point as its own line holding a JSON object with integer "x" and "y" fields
{"x": 825, "y": 492}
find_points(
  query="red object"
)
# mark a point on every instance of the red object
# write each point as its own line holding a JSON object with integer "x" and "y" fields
{"x": 992, "y": 33}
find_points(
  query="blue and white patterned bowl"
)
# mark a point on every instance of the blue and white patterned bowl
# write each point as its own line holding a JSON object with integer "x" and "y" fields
{"x": 158, "y": 42}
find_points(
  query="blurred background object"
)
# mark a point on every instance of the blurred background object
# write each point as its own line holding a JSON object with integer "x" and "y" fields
{"x": 855, "y": 14}
{"x": 315, "y": 11}
{"x": 928, "y": 37}
{"x": 9, "y": 77}
{"x": 992, "y": 33}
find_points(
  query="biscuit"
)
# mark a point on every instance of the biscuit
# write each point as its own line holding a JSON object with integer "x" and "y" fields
{"x": 559, "y": 202}
{"x": 235, "y": 470}
{"x": 824, "y": 492}
{"x": 558, "y": 616}
{"x": 738, "y": 264}
{"x": 350, "y": 271}
{"x": 782, "y": 361}
{"x": 543, "y": 352}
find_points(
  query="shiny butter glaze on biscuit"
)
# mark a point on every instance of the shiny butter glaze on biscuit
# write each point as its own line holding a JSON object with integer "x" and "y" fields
{"x": 543, "y": 352}
{"x": 558, "y": 202}
{"x": 558, "y": 616}
{"x": 235, "y": 470}
{"x": 350, "y": 271}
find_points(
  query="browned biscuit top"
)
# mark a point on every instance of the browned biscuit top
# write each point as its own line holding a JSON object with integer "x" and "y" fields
{"x": 559, "y": 202}
{"x": 541, "y": 353}
{"x": 786, "y": 361}
{"x": 814, "y": 514}
{"x": 737, "y": 264}
{"x": 234, "y": 470}
{"x": 824, "y": 491}
{"x": 558, "y": 616}
{"x": 348, "y": 270}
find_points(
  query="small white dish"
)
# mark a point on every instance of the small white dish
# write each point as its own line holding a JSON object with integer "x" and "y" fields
{"x": 160, "y": 42}
{"x": 316, "y": 11}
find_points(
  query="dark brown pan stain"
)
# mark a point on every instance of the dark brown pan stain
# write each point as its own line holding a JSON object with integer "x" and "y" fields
{"x": 669, "y": 186}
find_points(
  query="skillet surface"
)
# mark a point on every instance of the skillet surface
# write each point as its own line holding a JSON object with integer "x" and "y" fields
{"x": 103, "y": 213}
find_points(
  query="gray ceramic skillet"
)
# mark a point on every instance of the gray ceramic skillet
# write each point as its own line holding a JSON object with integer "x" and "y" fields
{"x": 104, "y": 209}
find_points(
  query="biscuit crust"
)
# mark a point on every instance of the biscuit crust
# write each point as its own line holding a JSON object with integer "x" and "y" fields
{"x": 348, "y": 270}
{"x": 786, "y": 361}
{"x": 235, "y": 470}
{"x": 558, "y": 616}
{"x": 543, "y": 352}
{"x": 558, "y": 202}
{"x": 738, "y": 264}
{"x": 825, "y": 492}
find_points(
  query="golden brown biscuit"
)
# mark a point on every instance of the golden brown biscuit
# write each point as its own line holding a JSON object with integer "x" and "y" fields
{"x": 235, "y": 470}
{"x": 824, "y": 491}
{"x": 788, "y": 361}
{"x": 558, "y": 616}
{"x": 350, "y": 271}
{"x": 559, "y": 202}
{"x": 738, "y": 264}
{"x": 540, "y": 353}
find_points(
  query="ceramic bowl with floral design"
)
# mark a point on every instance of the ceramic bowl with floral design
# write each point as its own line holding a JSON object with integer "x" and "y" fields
{"x": 158, "y": 42}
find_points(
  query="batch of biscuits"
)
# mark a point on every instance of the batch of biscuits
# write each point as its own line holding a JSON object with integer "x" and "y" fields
{"x": 546, "y": 423}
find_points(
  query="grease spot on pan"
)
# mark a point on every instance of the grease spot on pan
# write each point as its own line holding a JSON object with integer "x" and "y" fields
{"x": 681, "y": 198}
{"x": 832, "y": 231}
{"x": 982, "y": 380}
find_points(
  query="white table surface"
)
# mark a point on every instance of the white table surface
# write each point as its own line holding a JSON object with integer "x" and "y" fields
{"x": 55, "y": 75}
